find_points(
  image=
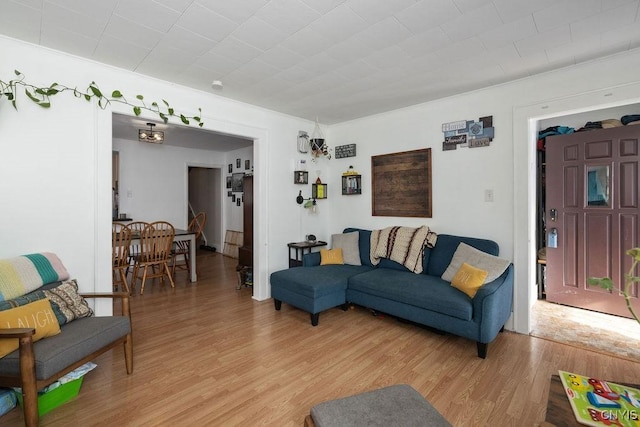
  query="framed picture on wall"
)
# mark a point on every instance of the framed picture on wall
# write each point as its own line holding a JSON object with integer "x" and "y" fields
{"x": 238, "y": 163}
{"x": 238, "y": 201}
{"x": 233, "y": 198}
{"x": 229, "y": 193}
{"x": 229, "y": 181}
{"x": 230, "y": 168}
{"x": 401, "y": 184}
{"x": 247, "y": 165}
{"x": 236, "y": 182}
{"x": 301, "y": 177}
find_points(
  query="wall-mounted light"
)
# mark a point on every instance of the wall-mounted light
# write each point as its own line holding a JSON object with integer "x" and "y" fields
{"x": 150, "y": 135}
{"x": 311, "y": 202}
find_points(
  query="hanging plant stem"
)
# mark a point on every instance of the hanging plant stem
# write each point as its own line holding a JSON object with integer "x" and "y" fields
{"x": 42, "y": 97}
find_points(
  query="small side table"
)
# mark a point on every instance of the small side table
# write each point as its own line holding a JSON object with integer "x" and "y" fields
{"x": 299, "y": 249}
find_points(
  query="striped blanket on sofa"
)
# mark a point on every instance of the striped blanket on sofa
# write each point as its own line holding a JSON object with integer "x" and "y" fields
{"x": 26, "y": 273}
{"x": 404, "y": 245}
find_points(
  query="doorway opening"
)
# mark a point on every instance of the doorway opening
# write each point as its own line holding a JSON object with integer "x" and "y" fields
{"x": 216, "y": 144}
{"x": 576, "y": 326}
{"x": 204, "y": 195}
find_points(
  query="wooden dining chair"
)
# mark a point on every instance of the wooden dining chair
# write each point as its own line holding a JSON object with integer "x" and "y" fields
{"x": 156, "y": 241}
{"x": 120, "y": 243}
{"x": 180, "y": 254}
{"x": 136, "y": 228}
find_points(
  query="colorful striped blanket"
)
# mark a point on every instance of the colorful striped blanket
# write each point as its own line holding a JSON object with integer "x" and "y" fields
{"x": 26, "y": 273}
{"x": 404, "y": 245}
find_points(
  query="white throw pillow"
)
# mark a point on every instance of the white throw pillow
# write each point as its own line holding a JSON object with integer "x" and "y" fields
{"x": 348, "y": 242}
{"x": 492, "y": 264}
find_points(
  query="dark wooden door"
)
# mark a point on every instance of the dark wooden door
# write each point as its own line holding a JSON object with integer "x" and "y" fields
{"x": 592, "y": 187}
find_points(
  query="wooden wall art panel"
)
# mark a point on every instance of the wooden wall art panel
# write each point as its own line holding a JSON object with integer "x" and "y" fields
{"x": 401, "y": 184}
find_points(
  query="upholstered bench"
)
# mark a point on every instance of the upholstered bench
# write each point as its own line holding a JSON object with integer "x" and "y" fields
{"x": 396, "y": 405}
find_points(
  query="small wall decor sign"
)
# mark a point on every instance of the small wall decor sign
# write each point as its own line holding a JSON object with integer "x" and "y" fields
{"x": 468, "y": 133}
{"x": 348, "y": 150}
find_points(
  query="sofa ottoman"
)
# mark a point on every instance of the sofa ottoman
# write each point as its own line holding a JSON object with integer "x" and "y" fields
{"x": 397, "y": 405}
{"x": 313, "y": 289}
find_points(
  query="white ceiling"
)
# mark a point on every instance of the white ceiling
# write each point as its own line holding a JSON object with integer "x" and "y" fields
{"x": 331, "y": 60}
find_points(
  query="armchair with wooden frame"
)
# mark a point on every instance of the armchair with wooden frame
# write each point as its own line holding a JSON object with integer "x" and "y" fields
{"x": 35, "y": 365}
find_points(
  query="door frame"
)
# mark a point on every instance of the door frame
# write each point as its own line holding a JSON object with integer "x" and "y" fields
{"x": 261, "y": 142}
{"x": 525, "y": 130}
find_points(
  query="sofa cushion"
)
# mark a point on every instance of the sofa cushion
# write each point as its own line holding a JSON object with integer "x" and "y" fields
{"x": 331, "y": 256}
{"x": 314, "y": 282}
{"x": 364, "y": 244}
{"x": 38, "y": 315}
{"x": 22, "y": 300}
{"x": 69, "y": 303}
{"x": 35, "y": 296}
{"x": 77, "y": 340}
{"x": 464, "y": 253}
{"x": 469, "y": 279}
{"x": 446, "y": 246}
{"x": 348, "y": 242}
{"x": 389, "y": 263}
{"x": 419, "y": 290}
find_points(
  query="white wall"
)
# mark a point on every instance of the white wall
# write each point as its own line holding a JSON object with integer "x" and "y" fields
{"x": 154, "y": 178}
{"x": 507, "y": 167}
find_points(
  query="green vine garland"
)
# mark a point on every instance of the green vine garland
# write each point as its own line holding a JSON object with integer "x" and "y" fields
{"x": 42, "y": 97}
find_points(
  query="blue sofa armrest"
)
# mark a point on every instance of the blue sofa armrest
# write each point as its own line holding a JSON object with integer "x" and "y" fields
{"x": 311, "y": 260}
{"x": 492, "y": 305}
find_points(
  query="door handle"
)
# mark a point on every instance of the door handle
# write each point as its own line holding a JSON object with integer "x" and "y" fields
{"x": 553, "y": 213}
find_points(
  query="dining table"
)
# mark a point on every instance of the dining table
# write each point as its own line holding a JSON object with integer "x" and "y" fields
{"x": 180, "y": 235}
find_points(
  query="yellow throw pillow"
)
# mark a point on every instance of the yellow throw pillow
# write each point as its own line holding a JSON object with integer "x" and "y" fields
{"x": 469, "y": 279}
{"x": 38, "y": 315}
{"x": 331, "y": 256}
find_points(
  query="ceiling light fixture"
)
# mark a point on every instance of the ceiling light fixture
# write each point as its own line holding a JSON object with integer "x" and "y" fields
{"x": 150, "y": 135}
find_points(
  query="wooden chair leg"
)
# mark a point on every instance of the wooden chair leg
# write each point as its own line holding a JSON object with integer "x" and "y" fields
{"x": 128, "y": 353}
{"x": 144, "y": 278}
{"x": 28, "y": 378}
{"x": 124, "y": 280}
{"x": 166, "y": 268}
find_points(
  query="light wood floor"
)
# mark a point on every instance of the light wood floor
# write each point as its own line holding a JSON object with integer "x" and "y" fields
{"x": 206, "y": 354}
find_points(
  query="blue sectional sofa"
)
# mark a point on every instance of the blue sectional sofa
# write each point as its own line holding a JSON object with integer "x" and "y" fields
{"x": 391, "y": 288}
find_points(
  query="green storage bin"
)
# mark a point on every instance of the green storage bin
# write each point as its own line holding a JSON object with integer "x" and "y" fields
{"x": 56, "y": 397}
